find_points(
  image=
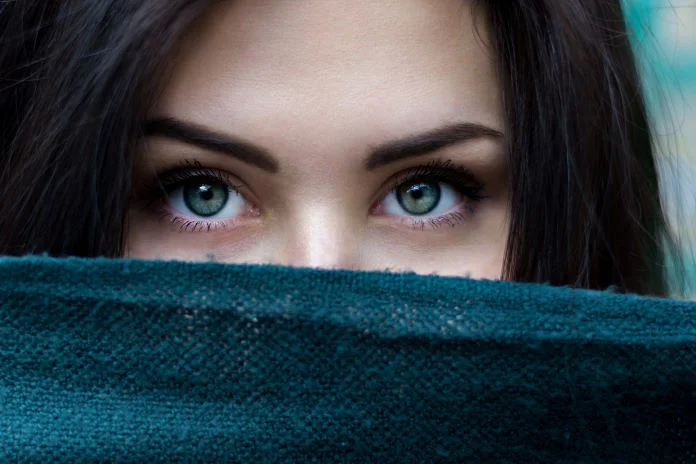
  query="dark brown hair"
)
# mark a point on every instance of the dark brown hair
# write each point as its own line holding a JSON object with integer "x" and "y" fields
{"x": 76, "y": 78}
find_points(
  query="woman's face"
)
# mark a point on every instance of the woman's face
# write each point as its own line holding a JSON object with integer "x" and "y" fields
{"x": 345, "y": 134}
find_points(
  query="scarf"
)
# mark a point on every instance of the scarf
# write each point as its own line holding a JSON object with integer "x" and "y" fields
{"x": 136, "y": 361}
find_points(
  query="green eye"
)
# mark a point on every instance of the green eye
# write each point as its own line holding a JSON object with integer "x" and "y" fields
{"x": 419, "y": 198}
{"x": 205, "y": 198}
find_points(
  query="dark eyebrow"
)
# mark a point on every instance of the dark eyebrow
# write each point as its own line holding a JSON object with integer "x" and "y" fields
{"x": 390, "y": 152}
{"x": 428, "y": 142}
{"x": 193, "y": 135}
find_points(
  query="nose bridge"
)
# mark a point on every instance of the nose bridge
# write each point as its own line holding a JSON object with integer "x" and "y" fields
{"x": 319, "y": 237}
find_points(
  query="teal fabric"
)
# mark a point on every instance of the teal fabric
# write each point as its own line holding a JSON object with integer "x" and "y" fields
{"x": 124, "y": 361}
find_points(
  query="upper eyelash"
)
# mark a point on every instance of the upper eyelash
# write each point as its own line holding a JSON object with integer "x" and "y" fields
{"x": 162, "y": 184}
{"x": 190, "y": 170}
{"x": 459, "y": 177}
{"x": 439, "y": 170}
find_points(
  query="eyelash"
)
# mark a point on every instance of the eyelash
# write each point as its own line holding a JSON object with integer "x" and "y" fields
{"x": 154, "y": 193}
{"x": 461, "y": 179}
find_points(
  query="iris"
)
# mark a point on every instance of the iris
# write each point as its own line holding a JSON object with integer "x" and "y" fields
{"x": 206, "y": 199}
{"x": 419, "y": 198}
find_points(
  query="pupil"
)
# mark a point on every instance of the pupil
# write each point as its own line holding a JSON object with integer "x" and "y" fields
{"x": 206, "y": 192}
{"x": 417, "y": 192}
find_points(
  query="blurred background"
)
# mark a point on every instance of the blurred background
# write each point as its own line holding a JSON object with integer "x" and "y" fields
{"x": 664, "y": 35}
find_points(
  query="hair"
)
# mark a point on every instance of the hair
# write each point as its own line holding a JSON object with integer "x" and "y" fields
{"x": 76, "y": 79}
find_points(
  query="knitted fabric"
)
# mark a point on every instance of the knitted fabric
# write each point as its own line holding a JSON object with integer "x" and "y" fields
{"x": 126, "y": 361}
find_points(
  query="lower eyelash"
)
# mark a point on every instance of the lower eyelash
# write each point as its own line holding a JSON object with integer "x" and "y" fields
{"x": 191, "y": 225}
{"x": 450, "y": 220}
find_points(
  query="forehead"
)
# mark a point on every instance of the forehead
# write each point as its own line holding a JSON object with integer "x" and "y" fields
{"x": 303, "y": 72}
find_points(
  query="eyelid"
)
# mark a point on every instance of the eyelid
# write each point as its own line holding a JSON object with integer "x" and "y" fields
{"x": 462, "y": 179}
{"x": 457, "y": 176}
{"x": 154, "y": 191}
{"x": 192, "y": 170}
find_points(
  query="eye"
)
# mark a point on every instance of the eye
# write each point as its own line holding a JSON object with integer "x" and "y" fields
{"x": 206, "y": 198}
{"x": 436, "y": 193}
{"x": 421, "y": 198}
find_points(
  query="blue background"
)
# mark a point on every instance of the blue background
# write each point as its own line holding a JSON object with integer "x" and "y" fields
{"x": 664, "y": 36}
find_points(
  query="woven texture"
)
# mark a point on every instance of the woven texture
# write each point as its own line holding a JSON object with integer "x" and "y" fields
{"x": 126, "y": 361}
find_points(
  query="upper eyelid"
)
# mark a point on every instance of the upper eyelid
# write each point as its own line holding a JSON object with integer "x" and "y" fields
{"x": 440, "y": 169}
{"x": 444, "y": 171}
{"x": 178, "y": 175}
{"x": 435, "y": 169}
{"x": 156, "y": 190}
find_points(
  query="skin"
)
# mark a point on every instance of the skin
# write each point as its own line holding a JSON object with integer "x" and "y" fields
{"x": 318, "y": 85}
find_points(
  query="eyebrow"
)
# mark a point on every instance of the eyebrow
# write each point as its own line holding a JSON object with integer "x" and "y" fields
{"x": 390, "y": 152}
{"x": 209, "y": 140}
{"x": 429, "y": 142}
